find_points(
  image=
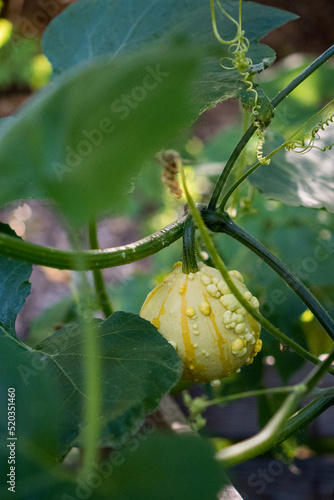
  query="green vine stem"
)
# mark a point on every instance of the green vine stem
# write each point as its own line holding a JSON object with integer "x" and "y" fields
{"x": 92, "y": 403}
{"x": 242, "y": 160}
{"x": 219, "y": 187}
{"x": 303, "y": 75}
{"x": 297, "y": 422}
{"x": 230, "y": 283}
{"x": 271, "y": 434}
{"x": 189, "y": 262}
{"x": 88, "y": 260}
{"x": 237, "y": 183}
{"x": 319, "y": 371}
{"x": 92, "y": 376}
{"x": 100, "y": 288}
{"x": 249, "y": 394}
{"x": 302, "y": 418}
{"x": 221, "y": 222}
{"x": 266, "y": 438}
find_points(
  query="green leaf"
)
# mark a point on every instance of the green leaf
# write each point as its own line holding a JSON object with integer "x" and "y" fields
{"x": 140, "y": 470}
{"x": 119, "y": 27}
{"x": 138, "y": 366}
{"x": 185, "y": 469}
{"x": 4, "y": 123}
{"x": 300, "y": 179}
{"x": 14, "y": 287}
{"x": 83, "y": 139}
{"x": 165, "y": 468}
{"x": 36, "y": 421}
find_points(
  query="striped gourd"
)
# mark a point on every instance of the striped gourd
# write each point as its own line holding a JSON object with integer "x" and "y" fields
{"x": 200, "y": 317}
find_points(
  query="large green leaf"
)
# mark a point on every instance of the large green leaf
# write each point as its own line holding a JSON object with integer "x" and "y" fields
{"x": 4, "y": 123}
{"x": 165, "y": 468}
{"x": 31, "y": 446}
{"x": 123, "y": 26}
{"x": 138, "y": 366}
{"x": 14, "y": 287}
{"x": 83, "y": 139}
{"x": 300, "y": 179}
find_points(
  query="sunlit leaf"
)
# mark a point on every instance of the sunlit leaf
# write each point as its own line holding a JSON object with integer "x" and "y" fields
{"x": 300, "y": 179}
{"x": 123, "y": 26}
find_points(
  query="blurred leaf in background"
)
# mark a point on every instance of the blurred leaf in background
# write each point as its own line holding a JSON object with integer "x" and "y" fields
{"x": 21, "y": 63}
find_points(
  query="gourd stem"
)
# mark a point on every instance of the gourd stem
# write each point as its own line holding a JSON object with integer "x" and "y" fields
{"x": 189, "y": 263}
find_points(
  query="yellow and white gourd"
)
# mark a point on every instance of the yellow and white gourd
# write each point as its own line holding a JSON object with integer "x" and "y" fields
{"x": 200, "y": 317}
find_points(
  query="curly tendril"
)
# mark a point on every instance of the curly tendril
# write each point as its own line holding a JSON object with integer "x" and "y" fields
{"x": 238, "y": 48}
{"x": 259, "y": 149}
{"x": 307, "y": 142}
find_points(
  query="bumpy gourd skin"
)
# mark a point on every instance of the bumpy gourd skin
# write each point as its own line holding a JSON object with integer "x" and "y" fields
{"x": 196, "y": 312}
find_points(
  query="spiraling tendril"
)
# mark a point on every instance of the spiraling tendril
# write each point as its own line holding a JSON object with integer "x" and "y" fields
{"x": 307, "y": 142}
{"x": 259, "y": 149}
{"x": 238, "y": 48}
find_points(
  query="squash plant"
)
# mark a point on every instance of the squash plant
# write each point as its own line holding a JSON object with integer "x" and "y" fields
{"x": 129, "y": 79}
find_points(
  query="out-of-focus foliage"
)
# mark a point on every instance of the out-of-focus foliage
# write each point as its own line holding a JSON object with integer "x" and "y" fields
{"x": 21, "y": 63}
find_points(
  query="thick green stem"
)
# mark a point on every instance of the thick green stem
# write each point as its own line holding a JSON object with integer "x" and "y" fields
{"x": 301, "y": 419}
{"x": 278, "y": 428}
{"x": 89, "y": 260}
{"x": 223, "y": 223}
{"x": 265, "y": 439}
{"x": 92, "y": 404}
{"x": 296, "y": 423}
{"x": 100, "y": 288}
{"x": 237, "y": 183}
{"x": 92, "y": 374}
{"x": 317, "y": 373}
{"x": 219, "y": 187}
{"x": 241, "y": 163}
{"x": 189, "y": 263}
{"x": 303, "y": 75}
